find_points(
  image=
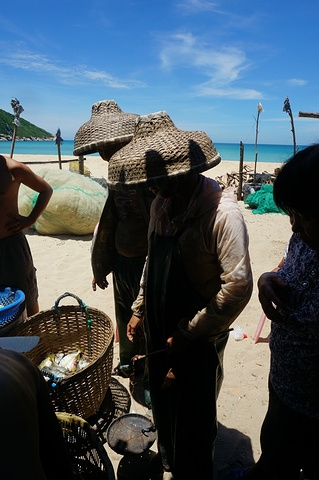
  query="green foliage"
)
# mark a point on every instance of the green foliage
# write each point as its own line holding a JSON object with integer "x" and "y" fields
{"x": 25, "y": 129}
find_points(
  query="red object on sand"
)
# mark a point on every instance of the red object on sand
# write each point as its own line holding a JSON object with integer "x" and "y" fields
{"x": 260, "y": 327}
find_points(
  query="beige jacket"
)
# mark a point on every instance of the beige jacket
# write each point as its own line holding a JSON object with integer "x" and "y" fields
{"x": 214, "y": 249}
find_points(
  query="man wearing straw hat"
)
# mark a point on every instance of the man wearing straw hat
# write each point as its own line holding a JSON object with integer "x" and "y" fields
{"x": 120, "y": 244}
{"x": 197, "y": 280}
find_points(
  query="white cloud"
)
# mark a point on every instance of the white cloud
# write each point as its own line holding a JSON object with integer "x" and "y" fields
{"x": 297, "y": 82}
{"x": 236, "y": 93}
{"x": 195, "y": 5}
{"x": 76, "y": 74}
{"x": 223, "y": 66}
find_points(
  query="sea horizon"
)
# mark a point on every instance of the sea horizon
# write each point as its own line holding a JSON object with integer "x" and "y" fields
{"x": 272, "y": 153}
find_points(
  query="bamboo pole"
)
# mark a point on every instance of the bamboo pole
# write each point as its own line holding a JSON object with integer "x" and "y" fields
{"x": 259, "y": 110}
{"x": 58, "y": 141}
{"x": 293, "y": 131}
{"x": 13, "y": 139}
{"x": 287, "y": 109}
{"x": 309, "y": 114}
{"x": 59, "y": 155}
{"x": 17, "y": 109}
{"x": 256, "y": 153}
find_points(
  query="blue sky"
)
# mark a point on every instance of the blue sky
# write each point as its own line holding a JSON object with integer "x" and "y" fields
{"x": 207, "y": 63}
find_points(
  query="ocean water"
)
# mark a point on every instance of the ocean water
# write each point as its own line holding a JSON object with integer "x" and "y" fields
{"x": 228, "y": 151}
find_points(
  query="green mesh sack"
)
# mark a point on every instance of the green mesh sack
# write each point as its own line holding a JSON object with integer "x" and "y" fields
{"x": 262, "y": 201}
{"x": 74, "y": 208}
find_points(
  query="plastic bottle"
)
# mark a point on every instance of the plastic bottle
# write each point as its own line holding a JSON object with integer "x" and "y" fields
{"x": 238, "y": 333}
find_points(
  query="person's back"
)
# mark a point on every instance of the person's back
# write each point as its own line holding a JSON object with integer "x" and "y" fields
{"x": 132, "y": 223}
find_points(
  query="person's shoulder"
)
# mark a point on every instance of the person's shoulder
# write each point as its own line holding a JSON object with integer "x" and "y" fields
{"x": 15, "y": 168}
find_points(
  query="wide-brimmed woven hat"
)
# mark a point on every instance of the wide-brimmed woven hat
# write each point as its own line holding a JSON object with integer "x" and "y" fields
{"x": 108, "y": 130}
{"x": 159, "y": 150}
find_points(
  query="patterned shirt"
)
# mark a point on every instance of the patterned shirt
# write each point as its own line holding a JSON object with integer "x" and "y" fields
{"x": 294, "y": 343}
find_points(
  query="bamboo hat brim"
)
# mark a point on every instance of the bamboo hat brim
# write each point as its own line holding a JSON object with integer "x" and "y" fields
{"x": 159, "y": 150}
{"x": 108, "y": 130}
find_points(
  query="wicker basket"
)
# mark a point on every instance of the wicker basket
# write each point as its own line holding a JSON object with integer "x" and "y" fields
{"x": 64, "y": 329}
{"x": 88, "y": 456}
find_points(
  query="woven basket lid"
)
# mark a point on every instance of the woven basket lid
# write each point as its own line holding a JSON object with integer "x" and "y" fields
{"x": 159, "y": 150}
{"x": 108, "y": 130}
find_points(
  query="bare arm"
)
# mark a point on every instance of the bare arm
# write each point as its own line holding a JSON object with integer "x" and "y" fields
{"x": 270, "y": 286}
{"x": 25, "y": 175}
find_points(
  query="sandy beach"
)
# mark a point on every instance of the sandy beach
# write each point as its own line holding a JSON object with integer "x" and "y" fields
{"x": 63, "y": 264}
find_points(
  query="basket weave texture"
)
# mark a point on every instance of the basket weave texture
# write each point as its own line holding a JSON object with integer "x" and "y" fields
{"x": 159, "y": 150}
{"x": 108, "y": 129}
{"x": 88, "y": 456}
{"x": 65, "y": 329}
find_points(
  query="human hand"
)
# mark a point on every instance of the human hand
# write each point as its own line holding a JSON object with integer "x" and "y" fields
{"x": 134, "y": 330}
{"x": 177, "y": 342}
{"x": 270, "y": 286}
{"x": 100, "y": 282}
{"x": 18, "y": 223}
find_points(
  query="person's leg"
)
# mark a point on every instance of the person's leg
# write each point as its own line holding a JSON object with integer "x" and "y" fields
{"x": 309, "y": 446}
{"x": 32, "y": 309}
{"x": 198, "y": 380}
{"x": 280, "y": 444}
{"x": 126, "y": 280}
{"x": 17, "y": 269}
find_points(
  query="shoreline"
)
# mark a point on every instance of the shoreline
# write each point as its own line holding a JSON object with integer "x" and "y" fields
{"x": 98, "y": 166}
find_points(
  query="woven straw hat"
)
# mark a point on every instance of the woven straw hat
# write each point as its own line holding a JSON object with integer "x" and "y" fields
{"x": 108, "y": 130}
{"x": 159, "y": 150}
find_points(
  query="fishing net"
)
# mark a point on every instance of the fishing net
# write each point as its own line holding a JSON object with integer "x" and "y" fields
{"x": 262, "y": 201}
{"x": 74, "y": 208}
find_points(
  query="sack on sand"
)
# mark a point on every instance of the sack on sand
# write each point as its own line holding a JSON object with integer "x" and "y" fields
{"x": 74, "y": 208}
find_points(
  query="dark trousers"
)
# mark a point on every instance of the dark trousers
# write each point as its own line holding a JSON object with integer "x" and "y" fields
{"x": 185, "y": 413}
{"x": 289, "y": 442}
{"x": 126, "y": 283}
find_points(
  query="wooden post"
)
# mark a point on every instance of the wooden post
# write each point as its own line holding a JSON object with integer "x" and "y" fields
{"x": 256, "y": 153}
{"x": 13, "y": 139}
{"x": 241, "y": 164}
{"x": 259, "y": 111}
{"x": 293, "y": 131}
{"x": 309, "y": 114}
{"x": 59, "y": 155}
{"x": 287, "y": 109}
{"x": 81, "y": 164}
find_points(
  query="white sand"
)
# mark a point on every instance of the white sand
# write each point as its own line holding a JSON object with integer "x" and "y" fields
{"x": 63, "y": 264}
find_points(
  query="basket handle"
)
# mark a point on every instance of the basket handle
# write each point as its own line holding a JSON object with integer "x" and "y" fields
{"x": 67, "y": 294}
